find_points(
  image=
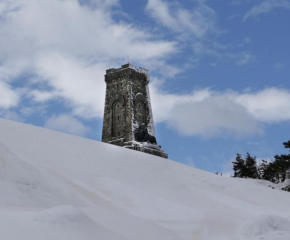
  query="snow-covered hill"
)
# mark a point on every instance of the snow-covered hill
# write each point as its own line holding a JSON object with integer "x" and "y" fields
{"x": 60, "y": 187}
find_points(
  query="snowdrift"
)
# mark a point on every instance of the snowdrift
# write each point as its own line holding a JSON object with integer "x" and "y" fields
{"x": 57, "y": 186}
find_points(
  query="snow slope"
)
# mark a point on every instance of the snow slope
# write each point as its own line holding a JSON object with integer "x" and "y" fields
{"x": 57, "y": 186}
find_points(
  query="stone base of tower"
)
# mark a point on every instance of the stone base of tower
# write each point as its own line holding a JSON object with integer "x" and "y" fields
{"x": 146, "y": 148}
{"x": 141, "y": 147}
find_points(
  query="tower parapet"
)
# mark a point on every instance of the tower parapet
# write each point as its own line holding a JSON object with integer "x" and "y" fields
{"x": 128, "y": 120}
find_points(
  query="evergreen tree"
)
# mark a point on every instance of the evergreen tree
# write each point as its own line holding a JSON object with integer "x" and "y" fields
{"x": 262, "y": 169}
{"x": 239, "y": 166}
{"x": 251, "y": 167}
{"x": 267, "y": 171}
{"x": 271, "y": 173}
{"x": 286, "y": 144}
{"x": 276, "y": 171}
{"x": 282, "y": 164}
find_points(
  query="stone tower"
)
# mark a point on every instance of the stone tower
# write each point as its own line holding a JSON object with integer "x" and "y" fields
{"x": 128, "y": 120}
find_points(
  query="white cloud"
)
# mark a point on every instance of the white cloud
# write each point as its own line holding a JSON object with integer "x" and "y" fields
{"x": 161, "y": 12}
{"x": 270, "y": 105}
{"x": 39, "y": 110}
{"x": 245, "y": 58}
{"x": 8, "y": 97}
{"x": 164, "y": 102}
{"x": 11, "y": 115}
{"x": 66, "y": 46}
{"x": 242, "y": 58}
{"x": 215, "y": 116}
{"x": 83, "y": 86}
{"x": 265, "y": 7}
{"x": 198, "y": 27}
{"x": 199, "y": 21}
{"x": 67, "y": 124}
{"x": 208, "y": 113}
{"x": 42, "y": 96}
{"x": 100, "y": 3}
{"x": 220, "y": 51}
{"x": 246, "y": 41}
{"x": 68, "y": 28}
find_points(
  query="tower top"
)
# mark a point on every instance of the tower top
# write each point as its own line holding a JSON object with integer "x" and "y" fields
{"x": 128, "y": 66}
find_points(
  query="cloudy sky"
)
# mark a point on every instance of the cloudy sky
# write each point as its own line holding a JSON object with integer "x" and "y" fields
{"x": 219, "y": 70}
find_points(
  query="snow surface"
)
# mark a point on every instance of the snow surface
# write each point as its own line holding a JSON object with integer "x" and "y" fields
{"x": 57, "y": 186}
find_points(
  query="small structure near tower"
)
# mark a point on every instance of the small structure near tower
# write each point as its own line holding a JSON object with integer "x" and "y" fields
{"x": 128, "y": 120}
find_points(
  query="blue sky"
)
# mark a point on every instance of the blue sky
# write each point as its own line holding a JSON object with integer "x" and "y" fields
{"x": 219, "y": 70}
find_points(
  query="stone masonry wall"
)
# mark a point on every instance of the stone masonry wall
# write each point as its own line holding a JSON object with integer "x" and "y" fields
{"x": 126, "y": 86}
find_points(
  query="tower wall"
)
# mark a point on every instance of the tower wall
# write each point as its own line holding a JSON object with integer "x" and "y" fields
{"x": 127, "y": 106}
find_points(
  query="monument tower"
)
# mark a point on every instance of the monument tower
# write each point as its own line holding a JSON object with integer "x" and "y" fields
{"x": 128, "y": 120}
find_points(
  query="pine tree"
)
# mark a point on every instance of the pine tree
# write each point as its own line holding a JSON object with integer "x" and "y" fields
{"x": 267, "y": 171}
{"x": 286, "y": 144}
{"x": 276, "y": 171}
{"x": 282, "y": 164}
{"x": 239, "y": 166}
{"x": 251, "y": 167}
{"x": 262, "y": 169}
